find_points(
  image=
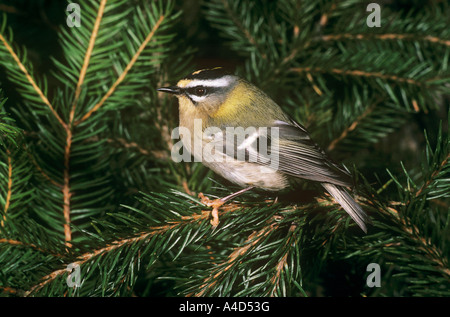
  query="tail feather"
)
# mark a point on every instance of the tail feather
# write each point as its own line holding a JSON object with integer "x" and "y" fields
{"x": 350, "y": 206}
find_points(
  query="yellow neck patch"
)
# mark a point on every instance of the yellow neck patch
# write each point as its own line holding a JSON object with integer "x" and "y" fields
{"x": 238, "y": 97}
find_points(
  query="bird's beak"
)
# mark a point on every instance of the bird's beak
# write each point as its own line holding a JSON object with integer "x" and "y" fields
{"x": 171, "y": 90}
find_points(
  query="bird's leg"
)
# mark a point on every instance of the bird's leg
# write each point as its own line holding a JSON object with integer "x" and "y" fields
{"x": 217, "y": 203}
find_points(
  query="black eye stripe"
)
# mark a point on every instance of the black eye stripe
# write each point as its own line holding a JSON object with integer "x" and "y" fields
{"x": 200, "y": 90}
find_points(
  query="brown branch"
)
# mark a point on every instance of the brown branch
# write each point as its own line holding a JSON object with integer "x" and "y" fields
{"x": 358, "y": 73}
{"x": 9, "y": 191}
{"x": 386, "y": 36}
{"x": 159, "y": 154}
{"x": 87, "y": 57}
{"x": 129, "y": 145}
{"x": 66, "y": 189}
{"x": 10, "y": 290}
{"x": 352, "y": 127}
{"x": 282, "y": 263}
{"x": 422, "y": 244}
{"x": 31, "y": 245}
{"x": 67, "y": 150}
{"x": 433, "y": 175}
{"x": 87, "y": 256}
{"x": 124, "y": 73}
{"x": 31, "y": 80}
{"x": 276, "y": 278}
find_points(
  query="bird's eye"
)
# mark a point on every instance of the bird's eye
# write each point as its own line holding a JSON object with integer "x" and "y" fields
{"x": 200, "y": 91}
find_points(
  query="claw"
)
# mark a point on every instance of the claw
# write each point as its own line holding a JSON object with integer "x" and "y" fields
{"x": 215, "y": 217}
{"x": 216, "y": 204}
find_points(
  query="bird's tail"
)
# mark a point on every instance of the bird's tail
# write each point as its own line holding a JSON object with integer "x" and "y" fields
{"x": 355, "y": 211}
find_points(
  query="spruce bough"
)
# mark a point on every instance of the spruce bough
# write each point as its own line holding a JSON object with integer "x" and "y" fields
{"x": 86, "y": 176}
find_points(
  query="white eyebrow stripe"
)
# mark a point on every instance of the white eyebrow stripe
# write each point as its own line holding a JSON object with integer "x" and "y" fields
{"x": 219, "y": 82}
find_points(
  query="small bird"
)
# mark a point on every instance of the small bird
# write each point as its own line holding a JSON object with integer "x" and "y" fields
{"x": 237, "y": 118}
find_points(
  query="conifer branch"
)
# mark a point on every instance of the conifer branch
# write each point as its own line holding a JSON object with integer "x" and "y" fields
{"x": 31, "y": 80}
{"x": 357, "y": 73}
{"x": 9, "y": 190}
{"x": 66, "y": 188}
{"x": 159, "y": 154}
{"x": 241, "y": 27}
{"x": 10, "y": 290}
{"x": 386, "y": 36}
{"x": 30, "y": 245}
{"x": 278, "y": 271}
{"x": 87, "y": 58}
{"x": 124, "y": 73}
{"x": 194, "y": 219}
{"x": 84, "y": 258}
{"x": 67, "y": 150}
{"x": 432, "y": 252}
{"x": 282, "y": 263}
{"x": 433, "y": 175}
{"x": 350, "y": 128}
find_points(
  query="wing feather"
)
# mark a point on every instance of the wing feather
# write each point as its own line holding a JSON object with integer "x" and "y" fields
{"x": 289, "y": 148}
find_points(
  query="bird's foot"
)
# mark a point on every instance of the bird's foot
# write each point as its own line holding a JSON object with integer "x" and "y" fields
{"x": 216, "y": 204}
